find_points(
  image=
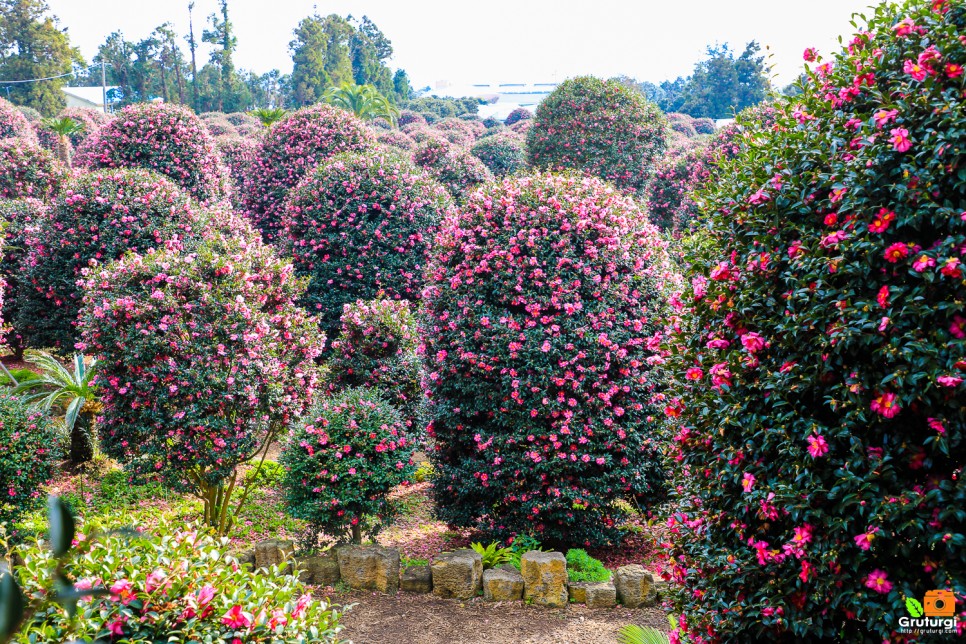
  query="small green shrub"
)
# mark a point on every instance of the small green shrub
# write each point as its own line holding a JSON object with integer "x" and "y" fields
{"x": 270, "y": 474}
{"x": 493, "y": 555}
{"x": 583, "y": 567}
{"x": 412, "y": 562}
{"x": 28, "y": 456}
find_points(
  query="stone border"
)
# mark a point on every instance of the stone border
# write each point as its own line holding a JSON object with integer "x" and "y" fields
{"x": 542, "y": 579}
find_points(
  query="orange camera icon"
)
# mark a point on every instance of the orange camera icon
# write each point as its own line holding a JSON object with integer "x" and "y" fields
{"x": 939, "y": 603}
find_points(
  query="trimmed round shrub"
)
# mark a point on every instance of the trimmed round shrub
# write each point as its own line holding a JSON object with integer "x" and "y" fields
{"x": 423, "y": 133}
{"x": 220, "y": 128}
{"x": 491, "y": 122}
{"x": 242, "y": 118}
{"x": 522, "y": 127}
{"x": 27, "y": 170}
{"x": 46, "y": 137}
{"x": 161, "y": 584}
{"x": 98, "y": 217}
{"x": 517, "y": 115}
{"x": 204, "y": 358}
{"x": 18, "y": 216}
{"x": 599, "y": 127}
{"x": 431, "y": 152}
{"x": 460, "y": 172}
{"x": 239, "y": 155}
{"x": 168, "y": 139}
{"x": 456, "y": 131}
{"x": 502, "y": 154}
{"x": 359, "y": 228}
{"x": 543, "y": 305}
{"x": 290, "y": 150}
{"x": 407, "y": 117}
{"x": 28, "y": 458}
{"x": 32, "y": 115}
{"x": 685, "y": 128}
{"x": 820, "y": 434}
{"x": 398, "y": 140}
{"x": 678, "y": 117}
{"x": 703, "y": 125}
{"x": 91, "y": 119}
{"x": 13, "y": 124}
{"x": 342, "y": 460}
{"x": 379, "y": 348}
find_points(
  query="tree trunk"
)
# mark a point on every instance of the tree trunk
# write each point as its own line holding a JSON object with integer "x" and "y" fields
{"x": 82, "y": 439}
{"x": 357, "y": 534}
{"x": 63, "y": 150}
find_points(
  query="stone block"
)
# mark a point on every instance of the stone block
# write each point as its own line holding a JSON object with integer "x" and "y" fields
{"x": 320, "y": 570}
{"x": 545, "y": 578}
{"x": 417, "y": 579}
{"x": 500, "y": 585}
{"x": 274, "y": 552}
{"x": 458, "y": 575}
{"x": 635, "y": 586}
{"x": 370, "y": 568}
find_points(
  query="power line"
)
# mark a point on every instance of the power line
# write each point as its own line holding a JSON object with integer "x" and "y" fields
{"x": 38, "y": 80}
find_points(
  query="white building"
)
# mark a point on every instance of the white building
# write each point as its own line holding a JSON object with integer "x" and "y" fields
{"x": 90, "y": 97}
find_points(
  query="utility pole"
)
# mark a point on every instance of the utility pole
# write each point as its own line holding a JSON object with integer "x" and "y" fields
{"x": 104, "y": 86}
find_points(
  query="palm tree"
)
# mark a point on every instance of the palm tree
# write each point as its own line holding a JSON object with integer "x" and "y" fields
{"x": 269, "y": 116}
{"x": 364, "y": 101}
{"x": 69, "y": 391}
{"x": 64, "y": 127}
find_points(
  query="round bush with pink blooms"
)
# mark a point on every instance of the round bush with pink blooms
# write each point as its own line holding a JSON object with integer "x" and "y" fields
{"x": 544, "y": 306}
{"x": 359, "y": 228}
{"x": 98, "y": 217}
{"x": 291, "y": 150}
{"x": 502, "y": 154}
{"x": 599, "y": 127}
{"x": 342, "y": 460}
{"x": 517, "y": 115}
{"x": 13, "y": 124}
{"x": 28, "y": 458}
{"x": 168, "y": 139}
{"x": 819, "y": 427}
{"x": 91, "y": 119}
{"x": 17, "y": 218}
{"x": 28, "y": 170}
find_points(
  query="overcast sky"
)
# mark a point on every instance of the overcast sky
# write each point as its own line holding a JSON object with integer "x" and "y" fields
{"x": 502, "y": 40}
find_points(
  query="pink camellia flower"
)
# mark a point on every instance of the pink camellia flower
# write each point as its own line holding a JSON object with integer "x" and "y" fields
{"x": 922, "y": 263}
{"x": 949, "y": 381}
{"x": 904, "y": 27}
{"x": 794, "y": 249}
{"x": 748, "y": 482}
{"x": 882, "y": 220}
{"x": 884, "y": 117}
{"x": 896, "y": 252}
{"x": 864, "y": 540}
{"x": 900, "y": 139}
{"x": 236, "y": 618}
{"x": 752, "y": 342}
{"x": 952, "y": 267}
{"x": 810, "y": 55}
{"x": 958, "y": 327}
{"x": 914, "y": 69}
{"x": 953, "y": 70}
{"x": 878, "y": 581}
{"x": 721, "y": 272}
{"x": 116, "y": 627}
{"x": 886, "y": 405}
{"x": 883, "y": 297}
{"x": 154, "y": 581}
{"x": 123, "y": 591}
{"x": 936, "y": 425}
{"x": 817, "y": 445}
{"x": 206, "y": 594}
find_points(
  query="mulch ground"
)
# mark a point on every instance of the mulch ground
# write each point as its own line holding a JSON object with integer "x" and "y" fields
{"x": 424, "y": 619}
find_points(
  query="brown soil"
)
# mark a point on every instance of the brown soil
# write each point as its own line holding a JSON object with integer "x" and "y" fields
{"x": 425, "y": 619}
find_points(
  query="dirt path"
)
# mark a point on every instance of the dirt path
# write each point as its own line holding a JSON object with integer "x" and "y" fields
{"x": 425, "y": 619}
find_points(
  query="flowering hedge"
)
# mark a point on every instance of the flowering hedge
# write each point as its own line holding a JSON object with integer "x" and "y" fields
{"x": 202, "y": 352}
{"x": 100, "y": 217}
{"x": 379, "y": 348}
{"x": 599, "y": 127}
{"x": 703, "y": 125}
{"x": 408, "y": 117}
{"x": 242, "y": 119}
{"x": 162, "y": 585}
{"x": 543, "y": 307}
{"x": 517, "y": 115}
{"x": 397, "y": 139}
{"x": 290, "y": 150}
{"x": 13, "y": 124}
{"x": 28, "y": 458}
{"x": 359, "y": 228}
{"x": 342, "y": 460}
{"x": 239, "y": 155}
{"x": 502, "y": 154}
{"x": 18, "y": 216}
{"x": 166, "y": 138}
{"x": 820, "y": 436}
{"x": 460, "y": 172}
{"x": 27, "y": 170}
{"x": 456, "y": 131}
{"x": 684, "y": 127}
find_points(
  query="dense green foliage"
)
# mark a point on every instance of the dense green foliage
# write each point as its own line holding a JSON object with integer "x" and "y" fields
{"x": 582, "y": 567}
{"x": 819, "y": 413}
{"x": 29, "y": 450}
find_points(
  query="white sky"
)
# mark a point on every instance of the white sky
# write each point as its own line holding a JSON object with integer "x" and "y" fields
{"x": 502, "y": 40}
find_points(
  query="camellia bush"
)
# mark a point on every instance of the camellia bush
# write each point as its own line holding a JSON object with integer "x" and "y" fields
{"x": 544, "y": 306}
{"x": 28, "y": 458}
{"x": 91, "y": 119}
{"x": 98, "y": 217}
{"x": 168, "y": 139}
{"x": 397, "y": 139}
{"x": 379, "y": 348}
{"x": 27, "y": 170}
{"x": 820, "y": 433}
{"x": 342, "y": 460}
{"x": 290, "y": 150}
{"x": 703, "y": 125}
{"x": 455, "y": 168}
{"x": 456, "y": 131}
{"x": 18, "y": 217}
{"x": 159, "y": 584}
{"x": 359, "y": 228}
{"x": 204, "y": 359}
{"x": 13, "y": 124}
{"x": 239, "y": 155}
{"x": 517, "y": 115}
{"x": 599, "y": 127}
{"x": 502, "y": 154}
{"x": 408, "y": 117}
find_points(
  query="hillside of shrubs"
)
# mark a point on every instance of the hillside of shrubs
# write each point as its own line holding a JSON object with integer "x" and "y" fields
{"x": 734, "y": 354}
